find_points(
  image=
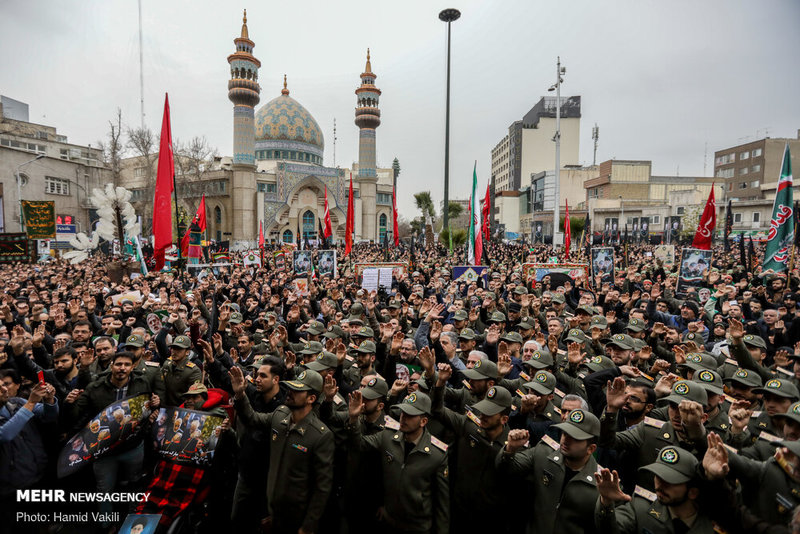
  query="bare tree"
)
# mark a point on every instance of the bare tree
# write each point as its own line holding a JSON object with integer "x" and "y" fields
{"x": 194, "y": 163}
{"x": 142, "y": 143}
{"x": 113, "y": 149}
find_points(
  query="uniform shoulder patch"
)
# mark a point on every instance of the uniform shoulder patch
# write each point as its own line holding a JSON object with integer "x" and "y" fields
{"x": 655, "y": 423}
{"x": 337, "y": 399}
{"x": 644, "y": 493}
{"x": 550, "y": 442}
{"x": 472, "y": 417}
{"x": 152, "y": 364}
{"x": 559, "y": 392}
{"x": 388, "y": 422}
{"x": 766, "y": 436}
{"x": 756, "y": 414}
{"x": 525, "y": 376}
{"x": 732, "y": 361}
{"x": 785, "y": 371}
{"x": 349, "y": 358}
{"x": 439, "y": 444}
{"x": 190, "y": 365}
{"x": 557, "y": 410}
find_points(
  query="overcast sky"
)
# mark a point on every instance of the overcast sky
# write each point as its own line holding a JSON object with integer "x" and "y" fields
{"x": 660, "y": 79}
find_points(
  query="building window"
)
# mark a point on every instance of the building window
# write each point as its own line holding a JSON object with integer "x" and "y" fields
{"x": 756, "y": 152}
{"x": 139, "y": 172}
{"x": 743, "y": 185}
{"x": 56, "y": 186}
{"x": 680, "y": 210}
{"x": 288, "y": 237}
{"x": 754, "y": 183}
{"x": 217, "y": 215}
{"x": 744, "y": 155}
{"x": 724, "y": 173}
{"x": 737, "y": 217}
{"x": 744, "y": 170}
{"x": 656, "y": 219}
{"x": 757, "y": 168}
{"x": 756, "y": 217}
{"x": 382, "y": 220}
{"x": 384, "y": 198}
{"x": 309, "y": 228}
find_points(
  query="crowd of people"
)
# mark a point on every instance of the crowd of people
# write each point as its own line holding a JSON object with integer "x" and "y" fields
{"x": 608, "y": 403}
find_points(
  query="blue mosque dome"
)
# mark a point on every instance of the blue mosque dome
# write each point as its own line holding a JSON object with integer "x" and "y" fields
{"x": 285, "y": 130}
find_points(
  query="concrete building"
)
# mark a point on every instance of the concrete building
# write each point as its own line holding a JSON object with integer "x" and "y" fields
{"x": 528, "y": 148}
{"x": 536, "y": 211}
{"x": 748, "y": 169}
{"x": 65, "y": 173}
{"x": 625, "y": 192}
{"x": 276, "y": 175}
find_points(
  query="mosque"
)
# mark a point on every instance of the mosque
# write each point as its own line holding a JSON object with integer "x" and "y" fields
{"x": 277, "y": 174}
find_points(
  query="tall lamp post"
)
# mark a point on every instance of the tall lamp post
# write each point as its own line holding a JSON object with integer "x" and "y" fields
{"x": 448, "y": 16}
{"x": 19, "y": 190}
{"x": 557, "y": 138}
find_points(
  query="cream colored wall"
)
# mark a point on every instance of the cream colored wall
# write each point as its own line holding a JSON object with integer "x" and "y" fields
{"x": 539, "y": 150}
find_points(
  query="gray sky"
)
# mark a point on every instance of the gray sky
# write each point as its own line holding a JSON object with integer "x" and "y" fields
{"x": 661, "y": 79}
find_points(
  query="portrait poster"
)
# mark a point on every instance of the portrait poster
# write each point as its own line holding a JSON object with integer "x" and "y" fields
{"x": 140, "y": 524}
{"x": 603, "y": 262}
{"x": 471, "y": 273}
{"x": 326, "y": 262}
{"x": 540, "y": 270}
{"x": 40, "y": 218}
{"x": 186, "y": 436}
{"x": 301, "y": 287}
{"x": 302, "y": 262}
{"x": 665, "y": 253}
{"x": 116, "y": 424}
{"x": 279, "y": 258}
{"x": 694, "y": 262}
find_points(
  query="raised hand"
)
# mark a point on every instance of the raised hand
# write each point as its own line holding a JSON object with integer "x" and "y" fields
{"x": 739, "y": 414}
{"x": 615, "y": 394}
{"x": 735, "y": 330}
{"x": 609, "y": 488}
{"x": 445, "y": 372}
{"x": 680, "y": 355}
{"x": 426, "y": 360}
{"x": 356, "y": 406}
{"x": 73, "y": 395}
{"x": 715, "y": 461}
{"x": 517, "y": 439}
{"x": 492, "y": 334}
{"x": 691, "y": 415}
{"x": 504, "y": 364}
{"x": 574, "y": 354}
{"x": 238, "y": 383}
{"x": 397, "y": 342}
{"x": 329, "y": 388}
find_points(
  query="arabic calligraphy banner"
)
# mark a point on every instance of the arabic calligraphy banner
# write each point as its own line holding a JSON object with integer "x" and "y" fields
{"x": 15, "y": 247}
{"x": 40, "y": 218}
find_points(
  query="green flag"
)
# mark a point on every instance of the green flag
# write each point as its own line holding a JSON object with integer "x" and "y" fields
{"x": 781, "y": 227}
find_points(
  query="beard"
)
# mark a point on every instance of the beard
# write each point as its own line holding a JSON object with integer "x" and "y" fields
{"x": 63, "y": 372}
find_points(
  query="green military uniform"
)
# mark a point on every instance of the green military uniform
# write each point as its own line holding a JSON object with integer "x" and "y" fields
{"x": 767, "y": 489}
{"x": 300, "y": 477}
{"x": 559, "y": 504}
{"x": 416, "y": 493}
{"x": 476, "y": 478}
{"x": 760, "y": 422}
{"x": 352, "y": 375}
{"x": 651, "y": 435}
{"x": 179, "y": 376}
{"x": 645, "y": 514}
{"x": 151, "y": 370}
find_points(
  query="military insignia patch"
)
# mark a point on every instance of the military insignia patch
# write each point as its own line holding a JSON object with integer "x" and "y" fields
{"x": 706, "y": 376}
{"x": 576, "y": 416}
{"x": 773, "y": 384}
{"x": 669, "y": 455}
{"x": 541, "y": 377}
{"x": 491, "y": 393}
{"x": 372, "y": 382}
{"x": 681, "y": 388}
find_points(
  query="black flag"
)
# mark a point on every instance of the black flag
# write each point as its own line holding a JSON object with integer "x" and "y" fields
{"x": 751, "y": 249}
{"x": 728, "y": 227}
{"x": 742, "y": 255}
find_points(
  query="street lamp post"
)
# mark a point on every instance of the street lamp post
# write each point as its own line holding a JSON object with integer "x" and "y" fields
{"x": 557, "y": 88}
{"x": 448, "y": 16}
{"x": 19, "y": 190}
{"x": 621, "y": 214}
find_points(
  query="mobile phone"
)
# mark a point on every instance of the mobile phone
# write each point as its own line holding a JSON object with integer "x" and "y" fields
{"x": 41, "y": 377}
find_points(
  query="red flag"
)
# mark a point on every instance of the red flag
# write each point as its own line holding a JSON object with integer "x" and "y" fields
{"x": 351, "y": 219}
{"x": 260, "y": 234}
{"x": 567, "y": 232}
{"x": 199, "y": 220}
{"x": 328, "y": 229}
{"x": 486, "y": 210}
{"x": 705, "y": 228}
{"x": 394, "y": 216}
{"x": 165, "y": 184}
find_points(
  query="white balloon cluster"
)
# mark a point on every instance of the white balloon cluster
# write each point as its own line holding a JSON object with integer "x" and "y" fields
{"x": 107, "y": 202}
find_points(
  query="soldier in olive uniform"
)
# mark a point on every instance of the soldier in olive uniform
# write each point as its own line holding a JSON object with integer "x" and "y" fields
{"x": 685, "y": 426}
{"x": 561, "y": 474}
{"x": 778, "y": 395}
{"x": 481, "y": 434}
{"x": 536, "y": 412}
{"x": 675, "y": 507}
{"x": 415, "y": 487}
{"x": 179, "y": 373}
{"x": 301, "y": 453}
{"x": 151, "y": 370}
